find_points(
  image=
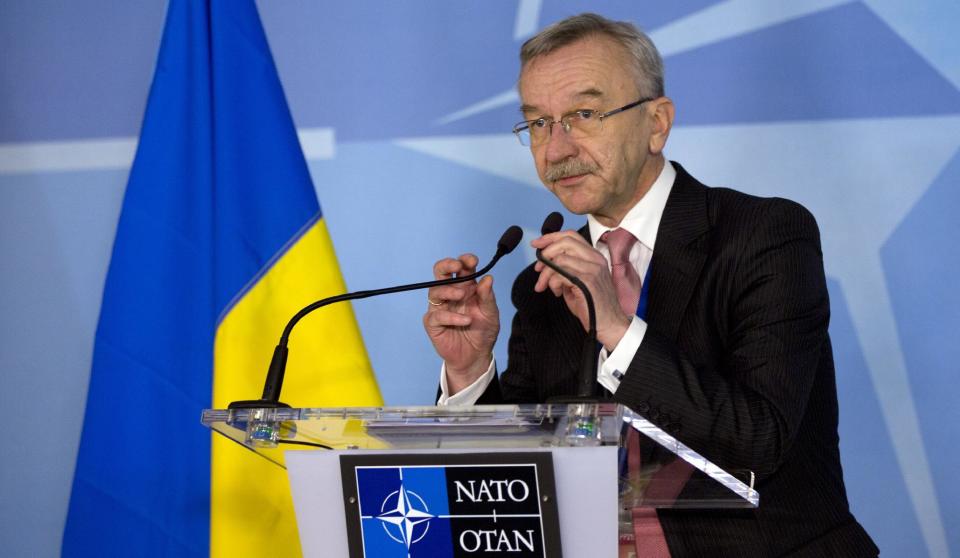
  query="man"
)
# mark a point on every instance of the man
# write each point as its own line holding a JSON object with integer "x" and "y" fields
{"x": 731, "y": 354}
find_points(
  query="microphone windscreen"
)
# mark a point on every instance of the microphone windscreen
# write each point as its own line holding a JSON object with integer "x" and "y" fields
{"x": 510, "y": 239}
{"x": 552, "y": 223}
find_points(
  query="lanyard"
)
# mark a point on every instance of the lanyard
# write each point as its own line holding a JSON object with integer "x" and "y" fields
{"x": 644, "y": 295}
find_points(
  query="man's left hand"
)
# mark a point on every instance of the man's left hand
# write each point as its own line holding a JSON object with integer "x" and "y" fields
{"x": 571, "y": 252}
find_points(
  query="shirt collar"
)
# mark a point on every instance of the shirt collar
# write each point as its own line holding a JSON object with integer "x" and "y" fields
{"x": 643, "y": 219}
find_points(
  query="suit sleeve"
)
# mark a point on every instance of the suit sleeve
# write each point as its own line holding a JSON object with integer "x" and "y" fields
{"x": 745, "y": 410}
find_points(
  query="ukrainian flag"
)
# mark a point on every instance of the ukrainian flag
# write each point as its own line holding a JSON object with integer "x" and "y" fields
{"x": 220, "y": 241}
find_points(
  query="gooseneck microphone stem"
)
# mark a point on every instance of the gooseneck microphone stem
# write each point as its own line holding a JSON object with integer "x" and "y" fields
{"x": 588, "y": 363}
{"x": 588, "y": 355}
{"x": 274, "y": 381}
{"x": 375, "y": 292}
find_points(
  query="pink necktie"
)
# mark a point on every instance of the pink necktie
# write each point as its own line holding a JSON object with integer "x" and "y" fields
{"x": 626, "y": 280}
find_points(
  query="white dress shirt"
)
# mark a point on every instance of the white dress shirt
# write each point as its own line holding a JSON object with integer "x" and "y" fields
{"x": 643, "y": 221}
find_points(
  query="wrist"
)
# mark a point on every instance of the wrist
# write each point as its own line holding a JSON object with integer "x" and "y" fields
{"x": 462, "y": 376}
{"x": 611, "y": 334}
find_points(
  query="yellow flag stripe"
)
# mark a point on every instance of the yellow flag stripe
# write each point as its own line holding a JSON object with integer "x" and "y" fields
{"x": 251, "y": 510}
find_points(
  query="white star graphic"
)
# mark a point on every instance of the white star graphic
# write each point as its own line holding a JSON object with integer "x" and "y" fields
{"x": 405, "y": 516}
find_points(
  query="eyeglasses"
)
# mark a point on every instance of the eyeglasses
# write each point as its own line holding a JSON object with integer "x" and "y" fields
{"x": 581, "y": 123}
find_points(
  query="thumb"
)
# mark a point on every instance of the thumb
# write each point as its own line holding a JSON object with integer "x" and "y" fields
{"x": 485, "y": 294}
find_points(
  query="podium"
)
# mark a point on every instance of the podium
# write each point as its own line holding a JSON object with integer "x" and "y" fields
{"x": 521, "y": 480}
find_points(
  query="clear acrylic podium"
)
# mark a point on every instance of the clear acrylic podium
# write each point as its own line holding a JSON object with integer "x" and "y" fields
{"x": 589, "y": 442}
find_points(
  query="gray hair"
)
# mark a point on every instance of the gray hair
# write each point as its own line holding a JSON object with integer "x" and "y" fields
{"x": 648, "y": 66}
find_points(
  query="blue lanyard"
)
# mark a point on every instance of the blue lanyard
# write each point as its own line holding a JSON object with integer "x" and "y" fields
{"x": 644, "y": 295}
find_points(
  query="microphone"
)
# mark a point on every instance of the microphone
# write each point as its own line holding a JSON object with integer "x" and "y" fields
{"x": 588, "y": 359}
{"x": 552, "y": 224}
{"x": 274, "y": 382}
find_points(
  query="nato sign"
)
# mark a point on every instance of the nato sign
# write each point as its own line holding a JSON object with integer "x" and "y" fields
{"x": 451, "y": 505}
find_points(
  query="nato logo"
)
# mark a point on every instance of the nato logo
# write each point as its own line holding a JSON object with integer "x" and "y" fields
{"x": 445, "y": 505}
{"x": 404, "y": 513}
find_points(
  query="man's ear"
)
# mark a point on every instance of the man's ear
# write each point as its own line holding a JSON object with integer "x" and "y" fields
{"x": 662, "y": 115}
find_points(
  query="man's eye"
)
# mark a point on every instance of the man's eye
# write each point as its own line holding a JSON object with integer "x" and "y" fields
{"x": 586, "y": 114}
{"x": 539, "y": 123}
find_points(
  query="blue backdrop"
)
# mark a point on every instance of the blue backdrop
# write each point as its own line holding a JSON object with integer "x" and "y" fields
{"x": 849, "y": 107}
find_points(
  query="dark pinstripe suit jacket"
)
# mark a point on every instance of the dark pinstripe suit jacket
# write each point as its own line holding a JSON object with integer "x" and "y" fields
{"x": 736, "y": 362}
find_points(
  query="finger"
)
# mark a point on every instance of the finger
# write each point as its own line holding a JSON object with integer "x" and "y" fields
{"x": 548, "y": 239}
{"x": 488, "y": 301}
{"x": 543, "y": 279}
{"x": 469, "y": 262}
{"x": 442, "y": 319}
{"x": 572, "y": 265}
{"x": 578, "y": 266}
{"x": 572, "y": 295}
{"x": 445, "y": 268}
{"x": 554, "y": 282}
{"x": 558, "y": 283}
{"x": 568, "y": 245}
{"x": 452, "y": 293}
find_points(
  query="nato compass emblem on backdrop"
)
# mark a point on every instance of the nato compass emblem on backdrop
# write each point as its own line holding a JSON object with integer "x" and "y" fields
{"x": 450, "y": 506}
{"x": 404, "y": 516}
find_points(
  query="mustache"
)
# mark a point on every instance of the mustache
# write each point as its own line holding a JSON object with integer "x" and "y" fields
{"x": 570, "y": 167}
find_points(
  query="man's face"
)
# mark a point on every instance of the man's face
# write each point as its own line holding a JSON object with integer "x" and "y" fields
{"x": 606, "y": 174}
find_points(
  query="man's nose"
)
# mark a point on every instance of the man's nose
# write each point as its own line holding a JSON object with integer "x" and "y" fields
{"x": 559, "y": 145}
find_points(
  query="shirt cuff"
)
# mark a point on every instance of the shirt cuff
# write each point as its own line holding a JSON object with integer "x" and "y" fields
{"x": 469, "y": 394}
{"x": 613, "y": 366}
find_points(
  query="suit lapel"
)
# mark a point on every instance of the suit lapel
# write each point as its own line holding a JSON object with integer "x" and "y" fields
{"x": 678, "y": 257}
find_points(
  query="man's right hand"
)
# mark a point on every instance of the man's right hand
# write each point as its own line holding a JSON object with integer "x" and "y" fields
{"x": 462, "y": 321}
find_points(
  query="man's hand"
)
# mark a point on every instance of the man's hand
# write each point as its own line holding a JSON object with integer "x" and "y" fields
{"x": 462, "y": 321}
{"x": 570, "y": 251}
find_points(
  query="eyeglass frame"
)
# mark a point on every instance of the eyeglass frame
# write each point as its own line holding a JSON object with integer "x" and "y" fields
{"x": 525, "y": 125}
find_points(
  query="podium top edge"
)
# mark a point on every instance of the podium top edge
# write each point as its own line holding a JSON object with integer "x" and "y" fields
{"x": 545, "y": 410}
